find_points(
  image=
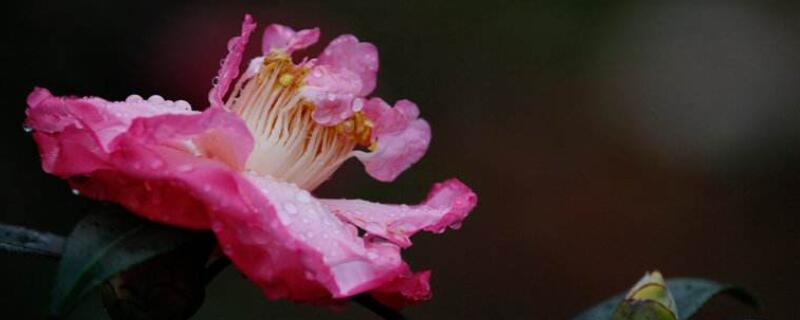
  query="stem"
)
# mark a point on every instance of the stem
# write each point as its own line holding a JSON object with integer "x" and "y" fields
{"x": 26, "y": 241}
{"x": 367, "y": 301}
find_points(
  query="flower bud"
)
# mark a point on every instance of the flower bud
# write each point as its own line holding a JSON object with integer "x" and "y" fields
{"x": 649, "y": 299}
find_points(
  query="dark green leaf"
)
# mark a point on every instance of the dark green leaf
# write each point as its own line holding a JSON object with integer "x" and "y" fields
{"x": 104, "y": 244}
{"x": 170, "y": 286}
{"x": 642, "y": 310}
{"x": 690, "y": 294}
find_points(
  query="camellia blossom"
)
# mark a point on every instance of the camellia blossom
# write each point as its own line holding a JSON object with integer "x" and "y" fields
{"x": 245, "y": 166}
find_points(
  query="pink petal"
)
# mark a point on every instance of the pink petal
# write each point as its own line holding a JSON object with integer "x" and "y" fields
{"x": 346, "y": 70}
{"x": 74, "y": 134}
{"x": 293, "y": 247}
{"x": 174, "y": 169}
{"x": 280, "y": 37}
{"x": 230, "y": 65}
{"x": 447, "y": 205}
{"x": 401, "y": 138}
{"x": 361, "y": 58}
{"x": 405, "y": 290}
{"x": 153, "y": 157}
{"x": 333, "y": 92}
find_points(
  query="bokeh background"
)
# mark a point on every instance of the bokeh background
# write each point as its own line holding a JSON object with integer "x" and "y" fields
{"x": 603, "y": 138}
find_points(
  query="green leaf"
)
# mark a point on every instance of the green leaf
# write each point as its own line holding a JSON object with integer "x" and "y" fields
{"x": 643, "y": 310}
{"x": 690, "y": 295}
{"x": 105, "y": 244}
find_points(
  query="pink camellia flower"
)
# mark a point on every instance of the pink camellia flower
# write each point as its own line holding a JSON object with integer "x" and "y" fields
{"x": 244, "y": 166}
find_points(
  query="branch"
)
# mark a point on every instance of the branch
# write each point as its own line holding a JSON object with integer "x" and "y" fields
{"x": 22, "y": 240}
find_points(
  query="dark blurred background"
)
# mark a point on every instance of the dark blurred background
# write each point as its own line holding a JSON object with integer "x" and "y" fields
{"x": 604, "y": 138}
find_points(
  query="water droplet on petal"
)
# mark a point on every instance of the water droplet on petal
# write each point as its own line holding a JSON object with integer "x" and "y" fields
{"x": 76, "y": 192}
{"x": 183, "y": 105}
{"x": 372, "y": 255}
{"x": 26, "y": 128}
{"x": 303, "y": 197}
{"x": 155, "y": 99}
{"x": 309, "y": 275}
{"x": 134, "y": 98}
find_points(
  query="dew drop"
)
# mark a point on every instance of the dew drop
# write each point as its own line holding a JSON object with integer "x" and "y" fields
{"x": 303, "y": 197}
{"x": 183, "y": 105}
{"x": 26, "y": 128}
{"x": 372, "y": 255}
{"x": 134, "y": 98}
{"x": 76, "y": 192}
{"x": 155, "y": 99}
{"x": 309, "y": 275}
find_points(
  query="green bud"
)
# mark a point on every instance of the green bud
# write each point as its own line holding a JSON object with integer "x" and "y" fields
{"x": 649, "y": 299}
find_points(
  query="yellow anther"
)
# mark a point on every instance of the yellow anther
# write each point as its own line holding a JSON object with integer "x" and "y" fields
{"x": 286, "y": 79}
{"x": 358, "y": 128}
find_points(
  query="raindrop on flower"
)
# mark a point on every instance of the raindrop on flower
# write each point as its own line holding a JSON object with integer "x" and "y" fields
{"x": 76, "y": 192}
{"x": 303, "y": 197}
{"x": 183, "y": 105}
{"x": 155, "y": 99}
{"x": 26, "y": 128}
{"x": 134, "y": 98}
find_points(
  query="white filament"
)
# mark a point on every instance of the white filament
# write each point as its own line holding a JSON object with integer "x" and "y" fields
{"x": 289, "y": 144}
